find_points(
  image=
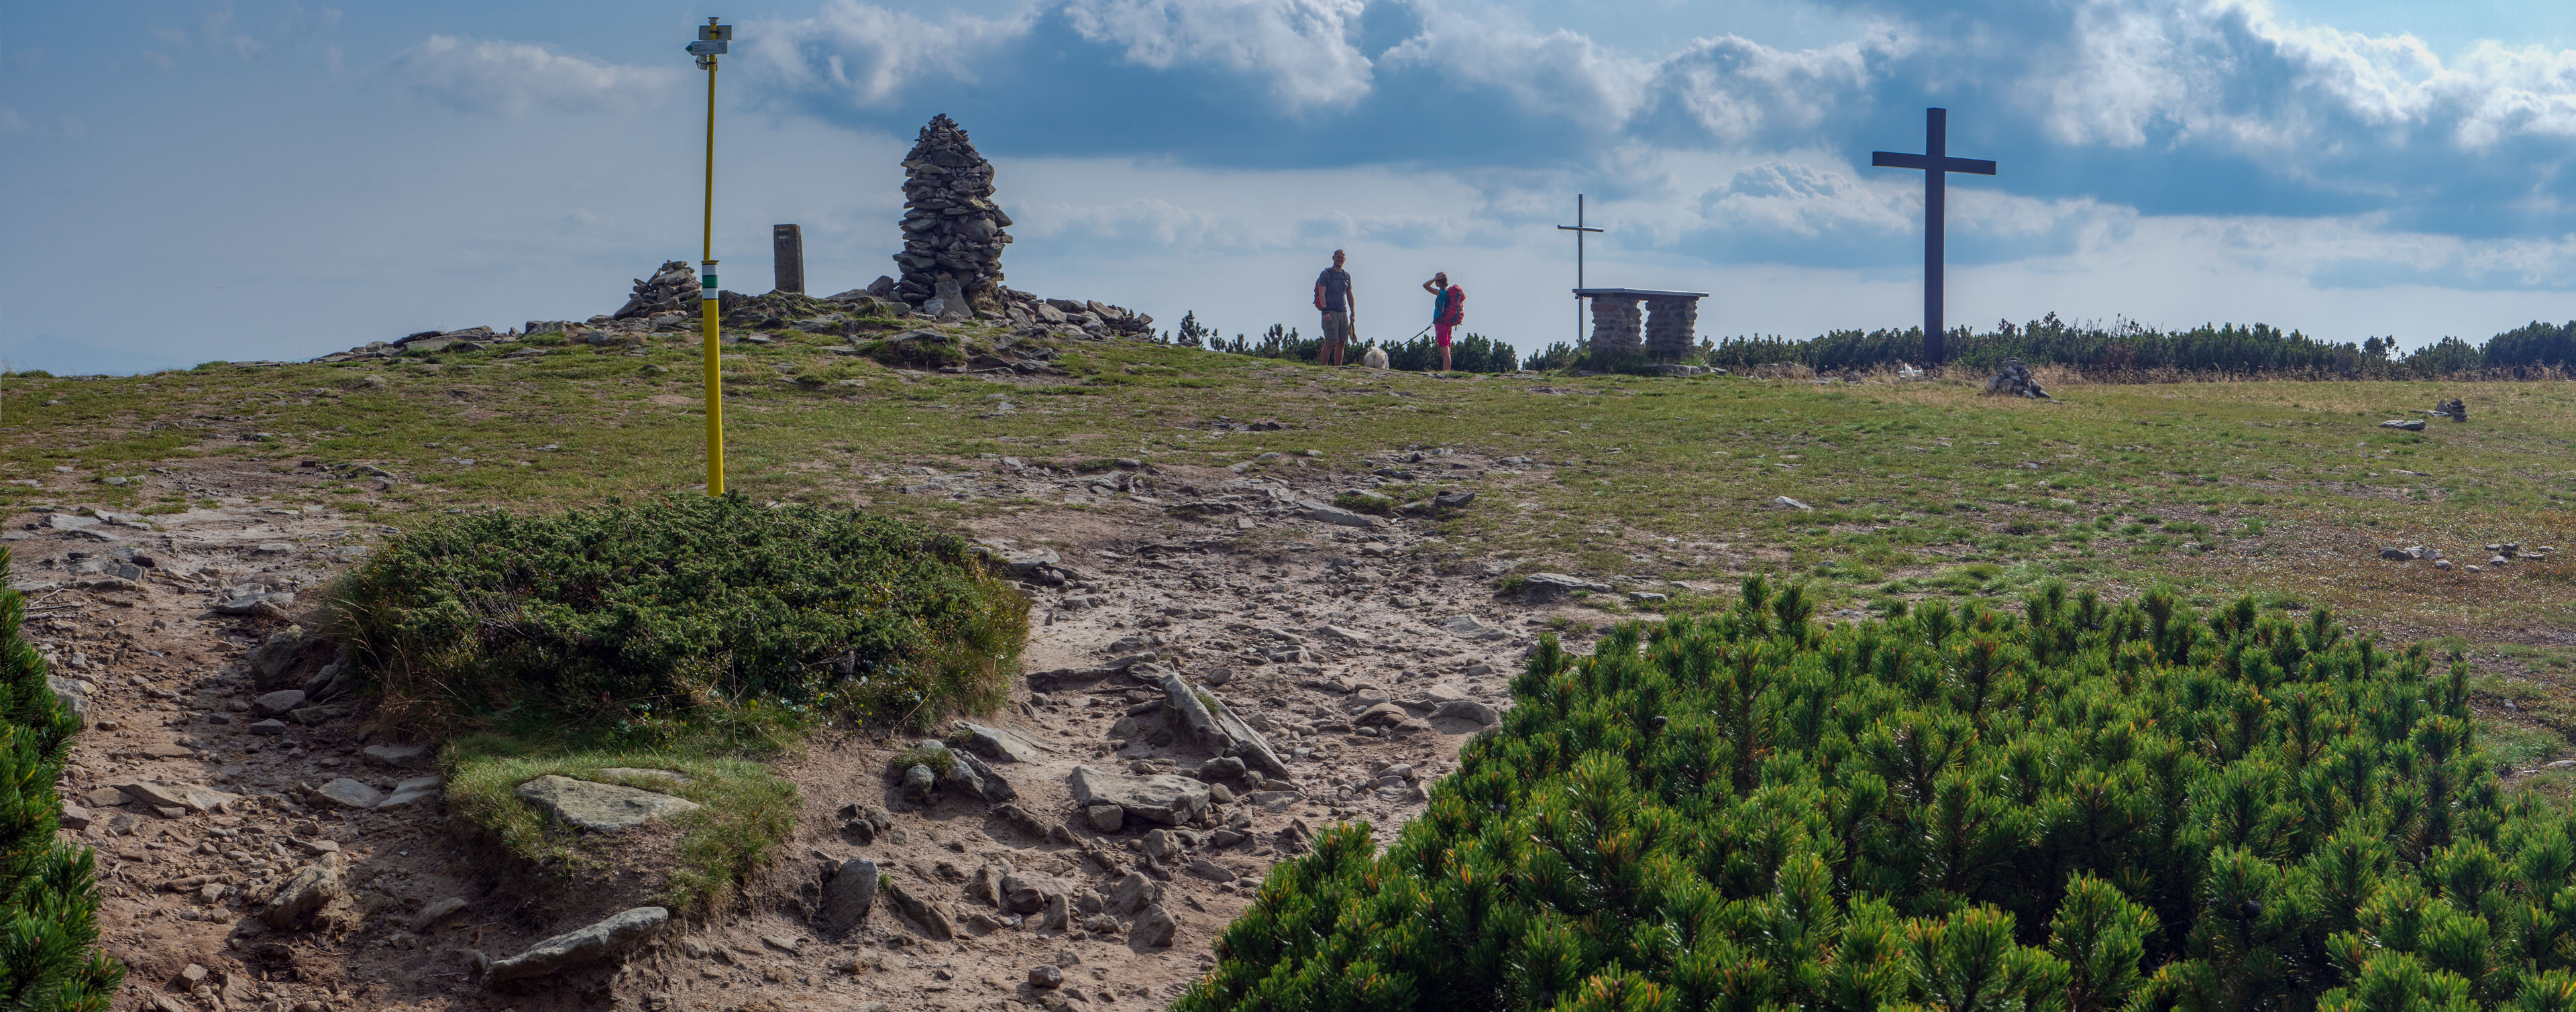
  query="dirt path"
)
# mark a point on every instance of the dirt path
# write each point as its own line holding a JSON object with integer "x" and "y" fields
{"x": 1300, "y": 620}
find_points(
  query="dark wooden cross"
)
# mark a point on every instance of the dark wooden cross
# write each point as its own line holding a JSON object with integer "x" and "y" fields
{"x": 1936, "y": 163}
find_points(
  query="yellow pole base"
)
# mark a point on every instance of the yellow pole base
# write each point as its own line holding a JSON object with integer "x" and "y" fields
{"x": 713, "y": 354}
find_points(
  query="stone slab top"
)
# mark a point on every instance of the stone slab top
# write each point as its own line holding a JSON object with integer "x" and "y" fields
{"x": 1637, "y": 293}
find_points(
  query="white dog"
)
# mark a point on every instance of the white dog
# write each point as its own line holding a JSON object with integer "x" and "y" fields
{"x": 1375, "y": 359}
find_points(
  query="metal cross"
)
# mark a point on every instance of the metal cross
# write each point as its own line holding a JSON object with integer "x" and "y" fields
{"x": 1578, "y": 228}
{"x": 1936, "y": 163}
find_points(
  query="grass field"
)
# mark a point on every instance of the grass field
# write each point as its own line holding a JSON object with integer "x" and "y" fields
{"x": 2282, "y": 489}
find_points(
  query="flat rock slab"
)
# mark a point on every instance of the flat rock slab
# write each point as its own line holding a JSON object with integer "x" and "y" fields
{"x": 194, "y": 798}
{"x": 413, "y": 790}
{"x": 1169, "y": 800}
{"x": 279, "y": 702}
{"x": 572, "y": 948}
{"x": 409, "y": 757}
{"x": 1467, "y": 626}
{"x": 998, "y": 744}
{"x": 351, "y": 794}
{"x": 598, "y": 807}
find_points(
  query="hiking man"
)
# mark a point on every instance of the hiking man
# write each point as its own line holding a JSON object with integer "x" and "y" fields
{"x": 1333, "y": 296}
{"x": 1447, "y": 310}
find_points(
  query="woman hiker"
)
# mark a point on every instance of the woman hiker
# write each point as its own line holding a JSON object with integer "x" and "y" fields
{"x": 1446, "y": 311}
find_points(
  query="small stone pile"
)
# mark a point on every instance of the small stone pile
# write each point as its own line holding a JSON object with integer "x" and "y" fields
{"x": 2455, "y": 409}
{"x": 952, "y": 232}
{"x": 674, "y": 288}
{"x": 2015, "y": 381}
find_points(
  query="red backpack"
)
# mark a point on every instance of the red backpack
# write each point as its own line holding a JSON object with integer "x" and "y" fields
{"x": 1457, "y": 310}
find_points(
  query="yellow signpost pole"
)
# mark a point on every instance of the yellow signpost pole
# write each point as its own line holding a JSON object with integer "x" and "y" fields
{"x": 712, "y": 39}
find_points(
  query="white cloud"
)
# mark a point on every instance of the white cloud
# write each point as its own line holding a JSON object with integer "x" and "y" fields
{"x": 868, "y": 54}
{"x": 1800, "y": 199}
{"x": 1740, "y": 91}
{"x": 11, "y": 122}
{"x": 2233, "y": 74}
{"x": 517, "y": 78}
{"x": 1558, "y": 73}
{"x": 1300, "y": 48}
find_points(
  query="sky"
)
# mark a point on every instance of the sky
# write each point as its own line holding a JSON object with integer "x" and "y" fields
{"x": 193, "y": 181}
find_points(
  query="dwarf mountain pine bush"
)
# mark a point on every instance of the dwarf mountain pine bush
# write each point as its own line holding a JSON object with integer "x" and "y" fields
{"x": 49, "y": 956}
{"x": 651, "y": 614}
{"x": 2079, "y": 808}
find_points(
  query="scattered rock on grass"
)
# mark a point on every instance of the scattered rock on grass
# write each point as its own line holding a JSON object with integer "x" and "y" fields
{"x": 598, "y": 807}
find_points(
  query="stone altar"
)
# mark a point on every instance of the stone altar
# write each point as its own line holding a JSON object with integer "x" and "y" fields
{"x": 1663, "y": 329}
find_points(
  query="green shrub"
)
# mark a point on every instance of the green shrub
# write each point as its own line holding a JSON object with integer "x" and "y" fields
{"x": 49, "y": 956}
{"x": 2082, "y": 807}
{"x": 648, "y": 617}
{"x": 940, "y": 760}
{"x": 1365, "y": 502}
{"x": 1553, "y": 357}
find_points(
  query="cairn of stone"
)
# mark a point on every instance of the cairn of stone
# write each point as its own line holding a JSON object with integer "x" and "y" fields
{"x": 952, "y": 232}
{"x": 2015, "y": 381}
{"x": 674, "y": 288}
{"x": 1616, "y": 323}
{"x": 2456, "y": 409}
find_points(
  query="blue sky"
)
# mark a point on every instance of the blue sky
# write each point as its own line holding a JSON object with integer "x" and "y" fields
{"x": 196, "y": 181}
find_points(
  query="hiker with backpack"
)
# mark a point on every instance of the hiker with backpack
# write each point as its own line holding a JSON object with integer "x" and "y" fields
{"x": 1447, "y": 310}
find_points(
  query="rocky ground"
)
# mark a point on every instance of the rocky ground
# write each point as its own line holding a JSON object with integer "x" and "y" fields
{"x": 260, "y": 850}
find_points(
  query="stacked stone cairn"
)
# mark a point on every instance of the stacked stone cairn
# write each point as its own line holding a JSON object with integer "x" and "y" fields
{"x": 952, "y": 232}
{"x": 2015, "y": 381}
{"x": 2455, "y": 409}
{"x": 671, "y": 289}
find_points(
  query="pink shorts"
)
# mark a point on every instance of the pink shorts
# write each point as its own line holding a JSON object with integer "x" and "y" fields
{"x": 1440, "y": 332}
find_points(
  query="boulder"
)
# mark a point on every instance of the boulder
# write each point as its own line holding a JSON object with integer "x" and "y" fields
{"x": 1154, "y": 928}
{"x": 920, "y": 784}
{"x": 274, "y": 663}
{"x": 1468, "y": 710}
{"x": 1133, "y": 892}
{"x": 848, "y": 896}
{"x": 72, "y": 693}
{"x": 1027, "y": 894}
{"x": 1170, "y": 800}
{"x": 589, "y": 944}
{"x": 1216, "y": 728}
{"x": 309, "y": 889}
{"x": 2407, "y": 424}
{"x": 1105, "y": 817}
{"x": 598, "y": 807}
